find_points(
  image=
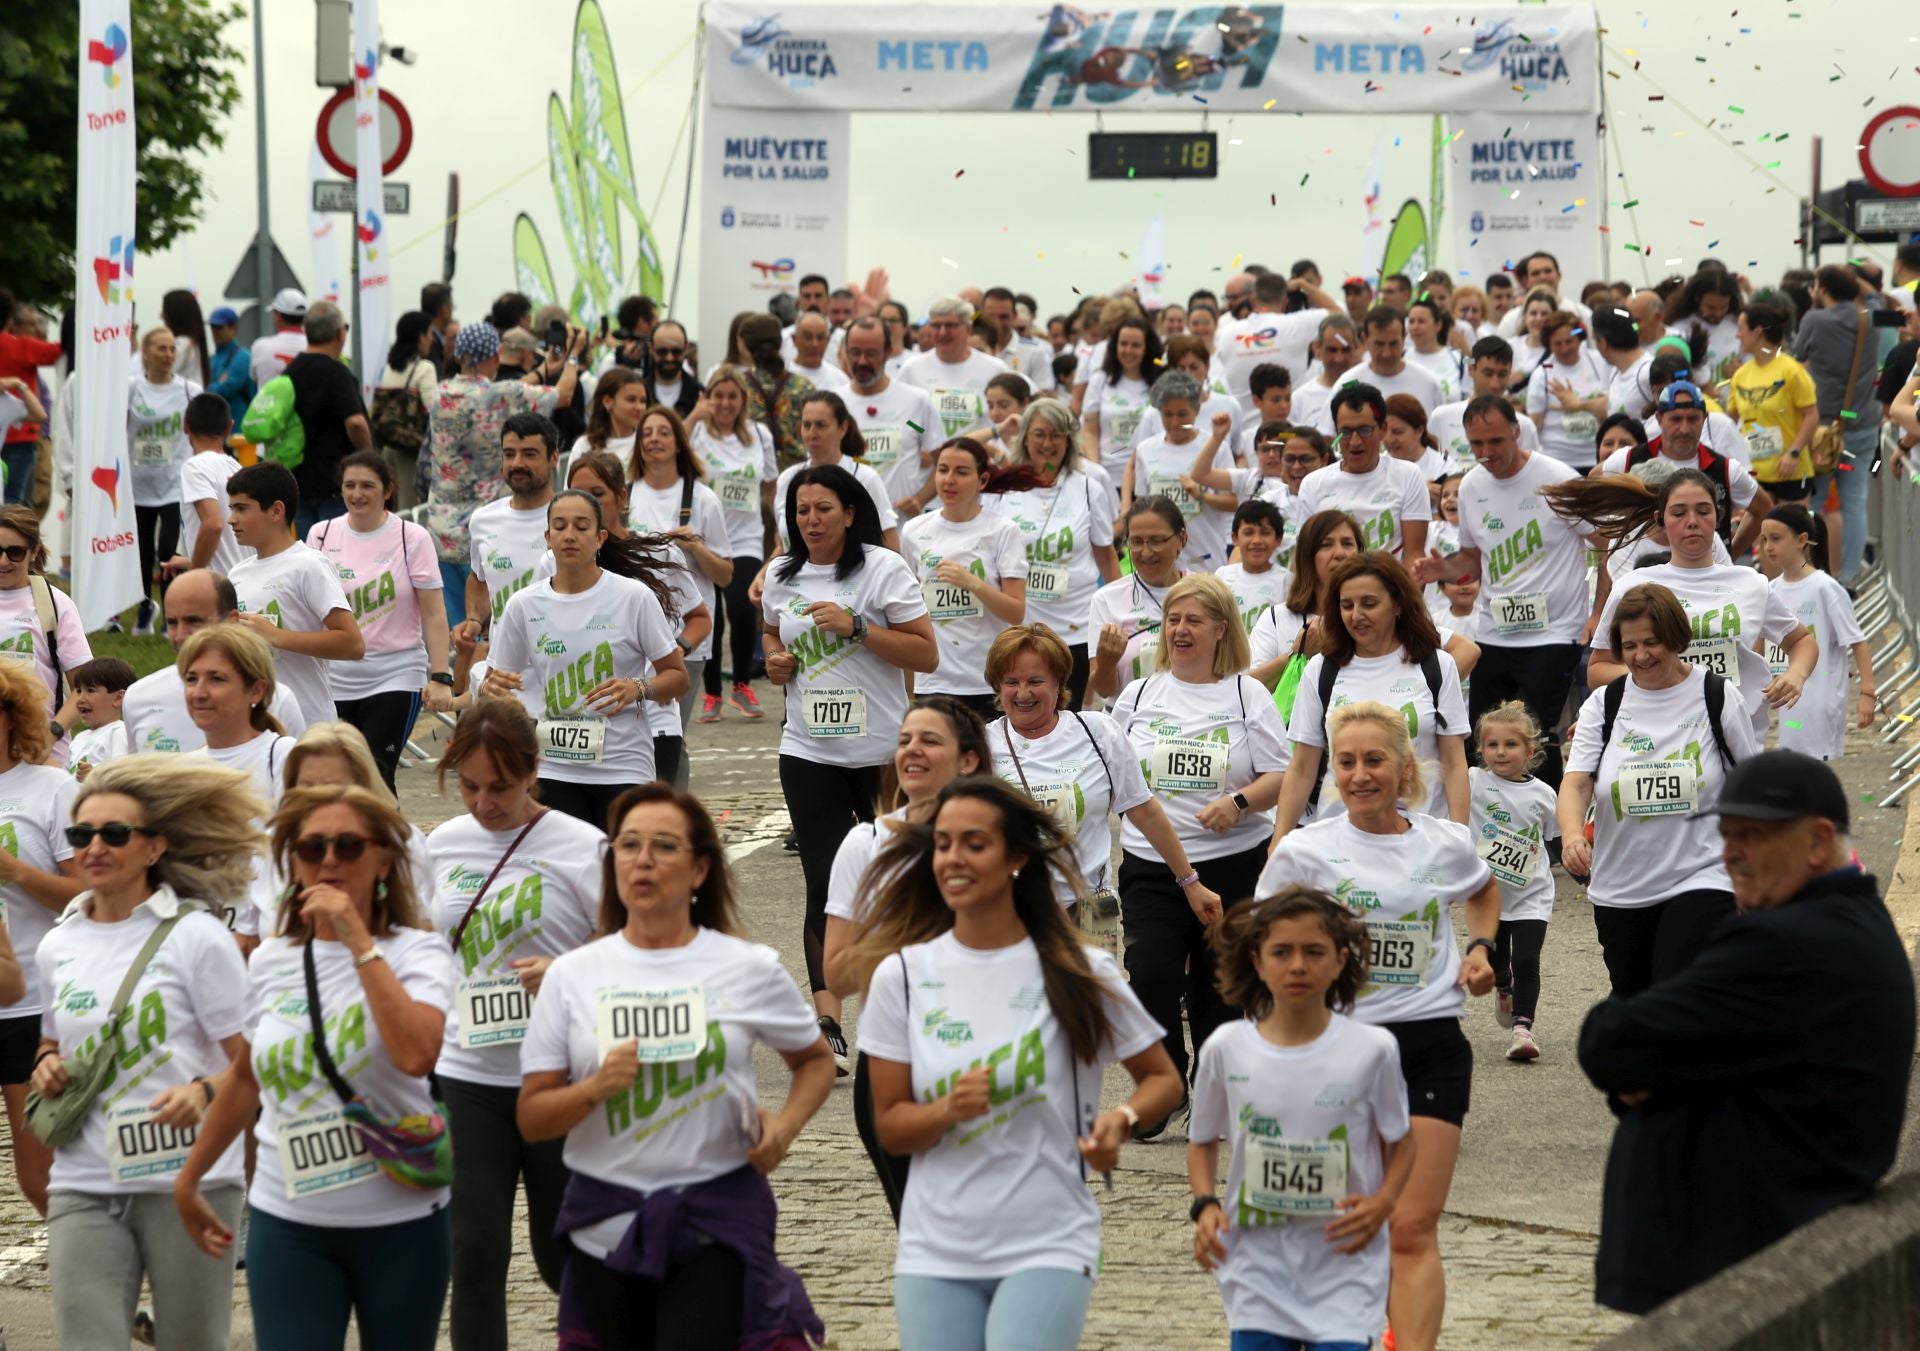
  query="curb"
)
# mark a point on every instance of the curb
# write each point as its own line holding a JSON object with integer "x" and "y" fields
{"x": 1903, "y": 889}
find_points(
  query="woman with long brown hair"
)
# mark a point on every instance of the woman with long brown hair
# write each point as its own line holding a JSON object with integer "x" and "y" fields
{"x": 1291, "y": 629}
{"x": 738, "y": 455}
{"x": 619, "y": 399}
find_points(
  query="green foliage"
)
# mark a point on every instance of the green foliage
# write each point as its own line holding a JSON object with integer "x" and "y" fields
{"x": 184, "y": 88}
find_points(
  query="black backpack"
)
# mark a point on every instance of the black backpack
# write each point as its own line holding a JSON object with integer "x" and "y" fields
{"x": 1716, "y": 701}
{"x": 1329, "y": 673}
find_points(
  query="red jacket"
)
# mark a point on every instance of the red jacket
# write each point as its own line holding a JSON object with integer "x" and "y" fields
{"x": 23, "y": 358}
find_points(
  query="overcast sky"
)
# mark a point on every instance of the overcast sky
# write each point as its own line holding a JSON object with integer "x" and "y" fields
{"x": 1024, "y": 214}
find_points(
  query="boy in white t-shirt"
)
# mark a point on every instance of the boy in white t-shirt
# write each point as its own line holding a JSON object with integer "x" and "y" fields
{"x": 98, "y": 688}
{"x": 206, "y": 540}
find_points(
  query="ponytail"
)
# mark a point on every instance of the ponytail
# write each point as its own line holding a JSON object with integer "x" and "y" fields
{"x": 1798, "y": 519}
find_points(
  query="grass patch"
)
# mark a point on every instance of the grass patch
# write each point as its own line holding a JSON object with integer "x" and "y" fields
{"x": 145, "y": 654}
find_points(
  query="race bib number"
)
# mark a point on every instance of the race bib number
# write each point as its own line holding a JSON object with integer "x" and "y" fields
{"x": 946, "y": 602}
{"x": 1125, "y": 422}
{"x": 738, "y": 494}
{"x": 1401, "y": 950}
{"x": 1581, "y": 426}
{"x": 139, "y": 1147}
{"x": 1776, "y": 659}
{"x": 883, "y": 446}
{"x": 1189, "y": 765}
{"x": 1046, "y": 582}
{"x": 152, "y": 451}
{"x": 1168, "y": 486}
{"x": 323, "y": 1152}
{"x": 1765, "y": 442}
{"x": 573, "y": 741}
{"x": 1061, "y": 801}
{"x": 1718, "y": 655}
{"x": 1658, "y": 788}
{"x": 834, "y": 711}
{"x": 1522, "y": 613}
{"x": 667, "y": 1024}
{"x": 958, "y": 408}
{"x": 493, "y": 1011}
{"x": 1295, "y": 1177}
{"x": 1511, "y": 857}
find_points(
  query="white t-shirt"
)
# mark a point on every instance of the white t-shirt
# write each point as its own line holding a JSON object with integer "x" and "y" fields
{"x": 1255, "y": 593}
{"x": 848, "y": 895}
{"x": 1119, "y": 404}
{"x": 1059, "y": 528}
{"x": 1217, "y": 401}
{"x": 543, "y": 902}
{"x": 1281, "y": 1276}
{"x": 1313, "y": 404}
{"x": 1643, "y": 858}
{"x": 1409, "y": 379}
{"x": 1447, "y": 367}
{"x": 1511, "y": 824}
{"x": 191, "y": 997}
{"x": 955, "y": 388}
{"x": 563, "y": 647}
{"x": 36, "y": 807}
{"x": 1135, "y": 605}
{"x": 297, "y": 588}
{"x": 1631, "y": 390}
{"x": 1817, "y": 725}
{"x": 737, "y": 472}
{"x": 1571, "y": 437}
{"x": 830, "y": 378}
{"x": 293, "y": 1088}
{"x": 657, "y": 510}
{"x": 1157, "y": 469}
{"x": 97, "y": 745}
{"x": 864, "y": 475}
{"x": 1533, "y": 562}
{"x": 1197, "y": 743}
{"x": 989, "y": 547}
{"x": 1398, "y": 683}
{"x": 683, "y": 1121}
{"x": 503, "y": 545}
{"x": 203, "y": 477}
{"x": 1007, "y": 1191}
{"x": 1082, "y": 770}
{"x": 1622, "y": 559}
{"x": 1447, "y": 425}
{"x": 898, "y": 425}
{"x": 157, "y": 442}
{"x": 1741, "y": 484}
{"x": 1381, "y": 500}
{"x": 1274, "y": 634}
{"x": 1264, "y": 338}
{"x": 264, "y": 759}
{"x": 845, "y": 703}
{"x": 1409, "y": 879}
{"x": 156, "y": 719}
{"x": 275, "y": 352}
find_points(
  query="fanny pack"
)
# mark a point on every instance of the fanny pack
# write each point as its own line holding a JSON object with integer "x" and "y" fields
{"x": 415, "y": 1151}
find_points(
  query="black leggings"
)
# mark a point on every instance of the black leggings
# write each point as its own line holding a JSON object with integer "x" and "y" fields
{"x": 891, "y": 1169}
{"x": 589, "y": 802}
{"x": 734, "y": 611}
{"x": 667, "y": 751}
{"x": 385, "y": 719}
{"x": 1646, "y": 944}
{"x": 494, "y": 1160}
{"x": 823, "y": 802}
{"x": 1516, "y": 964}
{"x": 1077, "y": 680}
{"x": 696, "y": 1308}
{"x": 158, "y": 532}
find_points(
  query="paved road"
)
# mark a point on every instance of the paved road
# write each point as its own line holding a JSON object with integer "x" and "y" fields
{"x": 1520, "y": 1227}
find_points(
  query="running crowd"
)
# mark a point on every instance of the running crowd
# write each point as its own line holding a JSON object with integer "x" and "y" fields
{"x": 1358, "y": 607}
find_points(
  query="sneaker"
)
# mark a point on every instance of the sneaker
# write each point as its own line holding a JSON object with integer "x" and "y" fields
{"x": 115, "y": 626}
{"x": 709, "y": 708}
{"x": 1523, "y": 1049}
{"x": 792, "y": 842}
{"x": 837, "y": 1043}
{"x": 742, "y": 699}
{"x": 143, "y": 622}
{"x": 143, "y": 1334}
{"x": 1154, "y": 1130}
{"x": 1503, "y": 1007}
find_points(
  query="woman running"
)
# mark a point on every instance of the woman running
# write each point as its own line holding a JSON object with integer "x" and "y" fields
{"x": 619, "y": 402}
{"x": 1794, "y": 544}
{"x": 670, "y": 993}
{"x": 738, "y": 455}
{"x": 157, "y": 446}
{"x": 1161, "y": 465}
{"x": 1290, "y": 632}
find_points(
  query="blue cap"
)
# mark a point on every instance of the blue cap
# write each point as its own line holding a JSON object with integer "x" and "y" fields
{"x": 1682, "y": 394}
{"x": 223, "y": 315}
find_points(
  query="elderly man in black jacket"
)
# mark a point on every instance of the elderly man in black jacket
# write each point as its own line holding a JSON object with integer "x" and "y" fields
{"x": 1764, "y": 1085}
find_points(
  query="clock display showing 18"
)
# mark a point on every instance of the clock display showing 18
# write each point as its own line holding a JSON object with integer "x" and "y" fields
{"x": 1153, "y": 154}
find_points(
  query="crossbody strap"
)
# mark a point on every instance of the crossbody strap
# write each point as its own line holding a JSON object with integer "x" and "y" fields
{"x": 480, "y": 895}
{"x": 320, "y": 1051}
{"x": 1007, "y": 732}
{"x": 1859, "y": 346}
{"x": 124, "y": 995}
{"x": 1096, "y": 749}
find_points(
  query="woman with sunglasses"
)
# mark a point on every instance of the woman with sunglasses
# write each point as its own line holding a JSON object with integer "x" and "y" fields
{"x": 514, "y": 886}
{"x": 330, "y": 753}
{"x": 1126, "y": 613}
{"x": 23, "y": 558}
{"x": 738, "y": 454}
{"x": 671, "y": 994}
{"x": 38, "y": 879}
{"x": 152, "y": 835}
{"x": 333, "y": 1234}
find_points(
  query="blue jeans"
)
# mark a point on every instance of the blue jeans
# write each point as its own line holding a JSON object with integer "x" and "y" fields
{"x": 1854, "y": 474}
{"x": 1273, "y": 1341}
{"x": 453, "y": 582}
{"x": 1039, "y": 1309}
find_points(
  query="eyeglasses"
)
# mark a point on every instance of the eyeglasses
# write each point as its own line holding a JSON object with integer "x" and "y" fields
{"x": 346, "y": 848}
{"x": 669, "y": 353}
{"x": 1371, "y": 429}
{"x": 1149, "y": 541}
{"x": 115, "y": 833}
{"x": 662, "y": 847}
{"x": 16, "y": 553}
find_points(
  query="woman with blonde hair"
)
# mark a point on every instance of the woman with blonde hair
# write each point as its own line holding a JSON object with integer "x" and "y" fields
{"x": 738, "y": 455}
{"x": 157, "y": 446}
{"x": 346, "y": 1010}
{"x": 38, "y": 878}
{"x": 153, "y": 837}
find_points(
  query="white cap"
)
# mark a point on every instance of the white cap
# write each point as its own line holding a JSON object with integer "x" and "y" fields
{"x": 290, "y": 303}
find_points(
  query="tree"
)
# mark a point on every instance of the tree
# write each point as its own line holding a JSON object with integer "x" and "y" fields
{"x": 183, "y": 88}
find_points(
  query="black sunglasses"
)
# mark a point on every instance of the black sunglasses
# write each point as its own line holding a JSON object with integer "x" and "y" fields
{"x": 669, "y": 353}
{"x": 16, "y": 553}
{"x": 346, "y": 848}
{"x": 115, "y": 833}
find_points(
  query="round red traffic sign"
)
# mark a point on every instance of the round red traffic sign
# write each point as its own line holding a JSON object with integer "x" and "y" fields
{"x": 335, "y": 132}
{"x": 1890, "y": 152}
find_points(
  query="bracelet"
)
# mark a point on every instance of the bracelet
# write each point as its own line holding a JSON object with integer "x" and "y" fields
{"x": 1126, "y": 1110}
{"x": 206, "y": 1086}
{"x": 368, "y": 957}
{"x": 45, "y": 1051}
{"x": 1184, "y": 882}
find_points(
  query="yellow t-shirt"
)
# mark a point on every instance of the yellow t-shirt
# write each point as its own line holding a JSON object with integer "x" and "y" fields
{"x": 1769, "y": 399}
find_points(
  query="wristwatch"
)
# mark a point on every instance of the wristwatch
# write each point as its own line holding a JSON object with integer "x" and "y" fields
{"x": 1473, "y": 943}
{"x": 859, "y": 634}
{"x": 686, "y": 648}
{"x": 1199, "y": 1207}
{"x": 441, "y": 678}
{"x": 1240, "y": 801}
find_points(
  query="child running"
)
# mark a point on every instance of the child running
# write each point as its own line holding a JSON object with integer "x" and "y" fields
{"x": 1512, "y": 820}
{"x": 1316, "y": 1108}
{"x": 98, "y": 688}
{"x": 1793, "y": 543}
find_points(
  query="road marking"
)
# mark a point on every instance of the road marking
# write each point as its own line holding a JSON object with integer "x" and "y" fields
{"x": 769, "y": 829}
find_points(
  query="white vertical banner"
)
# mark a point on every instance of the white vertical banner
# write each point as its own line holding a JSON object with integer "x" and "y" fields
{"x": 323, "y": 235}
{"x": 1373, "y": 220}
{"x": 370, "y": 233}
{"x": 1520, "y": 185}
{"x": 106, "y": 560}
{"x": 1151, "y": 264}
{"x": 773, "y": 207}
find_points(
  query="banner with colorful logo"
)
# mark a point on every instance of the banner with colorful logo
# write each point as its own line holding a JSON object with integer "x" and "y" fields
{"x": 1522, "y": 184}
{"x": 324, "y": 236}
{"x": 1295, "y": 57}
{"x": 369, "y": 224}
{"x": 106, "y": 559}
{"x": 773, "y": 202}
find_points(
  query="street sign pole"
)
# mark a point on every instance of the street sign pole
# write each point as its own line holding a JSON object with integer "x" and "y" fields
{"x": 263, "y": 284}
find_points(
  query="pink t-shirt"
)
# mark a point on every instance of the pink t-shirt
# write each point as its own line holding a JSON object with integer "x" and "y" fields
{"x": 380, "y": 572}
{"x": 22, "y": 640}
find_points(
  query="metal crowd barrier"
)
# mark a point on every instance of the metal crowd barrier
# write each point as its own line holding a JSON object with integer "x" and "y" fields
{"x": 1886, "y": 601}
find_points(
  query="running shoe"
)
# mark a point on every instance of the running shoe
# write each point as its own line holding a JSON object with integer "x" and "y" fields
{"x": 742, "y": 699}
{"x": 143, "y": 622}
{"x": 837, "y": 1043}
{"x": 1154, "y": 1130}
{"x": 709, "y": 708}
{"x": 1503, "y": 1007}
{"x": 143, "y": 1333}
{"x": 1524, "y": 1048}
{"x": 791, "y": 843}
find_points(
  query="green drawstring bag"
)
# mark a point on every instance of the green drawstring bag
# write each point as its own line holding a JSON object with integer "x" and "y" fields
{"x": 1288, "y": 686}
{"x": 272, "y": 424}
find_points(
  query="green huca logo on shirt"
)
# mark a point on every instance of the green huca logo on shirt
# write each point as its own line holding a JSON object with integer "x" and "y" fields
{"x": 1029, "y": 1057}
{"x": 19, "y": 646}
{"x": 286, "y": 1067}
{"x": 672, "y": 1080}
{"x": 566, "y": 689}
{"x": 375, "y": 596}
{"x": 507, "y": 591}
{"x": 1380, "y": 532}
{"x": 500, "y": 921}
{"x": 1721, "y": 623}
{"x": 1492, "y": 524}
{"x": 142, "y": 1033}
{"x": 9, "y": 838}
{"x": 1516, "y": 552}
{"x": 1052, "y": 548}
{"x": 549, "y": 646}
{"x": 945, "y": 1030}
